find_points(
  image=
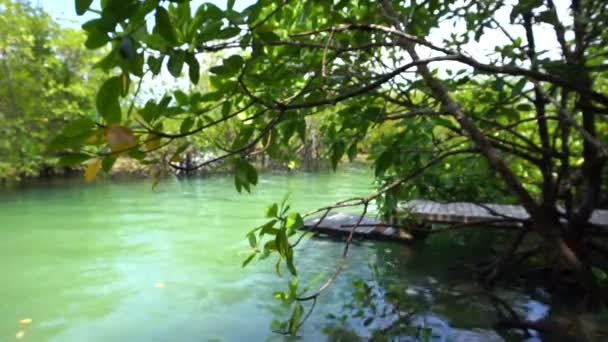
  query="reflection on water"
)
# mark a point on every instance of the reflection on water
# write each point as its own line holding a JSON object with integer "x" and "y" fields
{"x": 412, "y": 286}
{"x": 117, "y": 261}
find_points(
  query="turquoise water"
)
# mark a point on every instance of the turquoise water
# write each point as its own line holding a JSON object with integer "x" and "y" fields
{"x": 118, "y": 261}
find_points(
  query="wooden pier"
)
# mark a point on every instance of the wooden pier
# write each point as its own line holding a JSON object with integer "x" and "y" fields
{"x": 428, "y": 212}
{"x": 463, "y": 212}
{"x": 342, "y": 224}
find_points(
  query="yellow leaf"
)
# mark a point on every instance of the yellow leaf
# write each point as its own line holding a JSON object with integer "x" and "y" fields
{"x": 20, "y": 334}
{"x": 126, "y": 81}
{"x": 98, "y": 138}
{"x": 92, "y": 169}
{"x": 152, "y": 143}
{"x": 25, "y": 321}
{"x": 120, "y": 136}
{"x": 92, "y": 140}
{"x": 176, "y": 158}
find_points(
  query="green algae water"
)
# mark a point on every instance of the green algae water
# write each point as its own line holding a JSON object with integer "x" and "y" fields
{"x": 118, "y": 261}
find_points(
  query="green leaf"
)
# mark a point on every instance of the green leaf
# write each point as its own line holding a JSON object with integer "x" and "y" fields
{"x": 162, "y": 105}
{"x": 164, "y": 26}
{"x": 289, "y": 259}
{"x": 284, "y": 206}
{"x": 252, "y": 240}
{"x": 498, "y": 84}
{"x": 244, "y": 175}
{"x": 194, "y": 69}
{"x": 109, "y": 61}
{"x": 73, "y": 159}
{"x": 82, "y": 6}
{"x": 136, "y": 154}
{"x": 96, "y": 39}
{"x": 281, "y": 295}
{"x": 383, "y": 162}
{"x": 272, "y": 211}
{"x": 249, "y": 258}
{"x": 230, "y": 66}
{"x": 294, "y": 321}
{"x": 103, "y": 24}
{"x": 234, "y": 62}
{"x": 271, "y": 245}
{"x": 277, "y": 266}
{"x": 134, "y": 65}
{"x": 293, "y": 287}
{"x": 63, "y": 141}
{"x": 548, "y": 17}
{"x": 268, "y": 37}
{"x": 294, "y": 221}
{"x": 176, "y": 63}
{"x": 518, "y": 87}
{"x": 186, "y": 125}
{"x": 219, "y": 70}
{"x": 107, "y": 101}
{"x": 337, "y": 152}
{"x": 268, "y": 228}
{"x": 120, "y": 9}
{"x": 210, "y": 32}
{"x": 182, "y": 148}
{"x": 107, "y": 163}
{"x": 78, "y": 127}
{"x": 181, "y": 97}
{"x": 524, "y": 107}
{"x": 252, "y": 175}
{"x": 150, "y": 111}
{"x": 226, "y": 108}
{"x": 524, "y": 6}
{"x": 212, "y": 96}
{"x": 126, "y": 82}
{"x": 155, "y": 64}
{"x": 282, "y": 242}
{"x": 352, "y": 151}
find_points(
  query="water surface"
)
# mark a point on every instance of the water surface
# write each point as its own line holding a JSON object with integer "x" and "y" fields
{"x": 116, "y": 260}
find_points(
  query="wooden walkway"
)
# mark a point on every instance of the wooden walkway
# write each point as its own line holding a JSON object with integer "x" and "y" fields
{"x": 430, "y": 212}
{"x": 461, "y": 212}
{"x": 341, "y": 224}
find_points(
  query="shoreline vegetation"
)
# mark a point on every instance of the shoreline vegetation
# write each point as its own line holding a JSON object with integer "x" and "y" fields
{"x": 126, "y": 167}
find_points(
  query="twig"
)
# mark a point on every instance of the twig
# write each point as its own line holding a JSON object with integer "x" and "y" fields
{"x": 252, "y": 143}
{"x": 308, "y": 230}
{"x": 570, "y": 120}
{"x": 342, "y": 260}
{"x": 132, "y": 105}
{"x": 495, "y": 213}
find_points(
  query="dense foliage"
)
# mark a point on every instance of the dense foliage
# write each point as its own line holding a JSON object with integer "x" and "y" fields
{"x": 524, "y": 122}
{"x": 46, "y": 80}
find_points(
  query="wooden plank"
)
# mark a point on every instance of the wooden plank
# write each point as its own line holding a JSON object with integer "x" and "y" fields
{"x": 462, "y": 212}
{"x": 341, "y": 224}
